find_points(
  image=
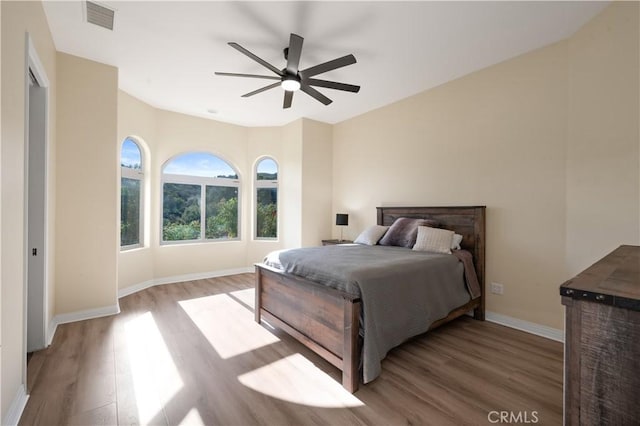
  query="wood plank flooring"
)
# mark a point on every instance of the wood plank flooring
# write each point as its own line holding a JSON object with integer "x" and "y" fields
{"x": 190, "y": 353}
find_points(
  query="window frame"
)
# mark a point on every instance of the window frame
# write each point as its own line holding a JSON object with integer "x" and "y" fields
{"x": 203, "y": 181}
{"x": 139, "y": 175}
{"x": 260, "y": 184}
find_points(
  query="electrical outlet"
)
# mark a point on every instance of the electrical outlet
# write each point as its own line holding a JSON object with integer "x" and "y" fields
{"x": 497, "y": 288}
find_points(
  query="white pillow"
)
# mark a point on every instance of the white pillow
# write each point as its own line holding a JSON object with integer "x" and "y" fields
{"x": 371, "y": 235}
{"x": 434, "y": 240}
{"x": 455, "y": 243}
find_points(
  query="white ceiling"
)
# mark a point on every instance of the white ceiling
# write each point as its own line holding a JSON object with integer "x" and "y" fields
{"x": 167, "y": 51}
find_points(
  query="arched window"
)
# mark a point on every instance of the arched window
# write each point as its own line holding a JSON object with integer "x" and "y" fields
{"x": 131, "y": 188}
{"x": 189, "y": 178}
{"x": 266, "y": 199}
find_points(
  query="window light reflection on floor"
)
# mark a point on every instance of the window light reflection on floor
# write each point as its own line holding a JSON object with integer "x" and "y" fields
{"x": 192, "y": 419}
{"x": 296, "y": 379}
{"x": 155, "y": 377}
{"x": 212, "y": 314}
{"x": 246, "y": 296}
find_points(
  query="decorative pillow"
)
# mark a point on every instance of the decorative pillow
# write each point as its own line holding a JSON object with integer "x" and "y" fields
{"x": 371, "y": 235}
{"x": 434, "y": 240}
{"x": 455, "y": 243}
{"x": 403, "y": 232}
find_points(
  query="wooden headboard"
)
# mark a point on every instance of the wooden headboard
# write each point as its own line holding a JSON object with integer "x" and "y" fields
{"x": 468, "y": 221}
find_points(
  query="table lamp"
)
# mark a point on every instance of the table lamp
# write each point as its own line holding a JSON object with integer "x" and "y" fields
{"x": 342, "y": 220}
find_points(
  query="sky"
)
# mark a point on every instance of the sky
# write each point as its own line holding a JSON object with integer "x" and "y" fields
{"x": 198, "y": 164}
{"x": 267, "y": 166}
{"x": 130, "y": 155}
{"x": 191, "y": 163}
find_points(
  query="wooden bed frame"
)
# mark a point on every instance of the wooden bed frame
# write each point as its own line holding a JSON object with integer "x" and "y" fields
{"x": 328, "y": 320}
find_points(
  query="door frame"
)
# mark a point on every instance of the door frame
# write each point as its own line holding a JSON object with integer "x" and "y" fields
{"x": 34, "y": 65}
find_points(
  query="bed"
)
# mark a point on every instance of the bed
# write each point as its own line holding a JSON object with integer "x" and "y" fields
{"x": 329, "y": 320}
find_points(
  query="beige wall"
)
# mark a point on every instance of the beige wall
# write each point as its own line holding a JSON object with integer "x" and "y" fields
{"x": 474, "y": 142}
{"x": 603, "y": 136}
{"x": 291, "y": 185}
{"x": 539, "y": 140}
{"x": 18, "y": 18}
{"x": 138, "y": 120}
{"x": 317, "y": 158}
{"x": 167, "y": 134}
{"x": 302, "y": 150}
{"x": 266, "y": 142}
{"x": 177, "y": 134}
{"x": 86, "y": 225}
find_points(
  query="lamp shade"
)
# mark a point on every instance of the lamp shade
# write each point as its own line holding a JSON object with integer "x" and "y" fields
{"x": 342, "y": 219}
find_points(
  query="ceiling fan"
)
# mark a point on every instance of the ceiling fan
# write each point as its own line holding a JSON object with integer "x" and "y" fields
{"x": 291, "y": 78}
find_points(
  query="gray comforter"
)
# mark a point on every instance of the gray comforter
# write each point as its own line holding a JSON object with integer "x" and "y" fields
{"x": 402, "y": 291}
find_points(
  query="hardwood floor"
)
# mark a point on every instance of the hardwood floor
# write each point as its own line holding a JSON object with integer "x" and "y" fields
{"x": 190, "y": 353}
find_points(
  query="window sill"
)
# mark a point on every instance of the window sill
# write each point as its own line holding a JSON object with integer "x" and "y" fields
{"x": 131, "y": 248}
{"x": 196, "y": 242}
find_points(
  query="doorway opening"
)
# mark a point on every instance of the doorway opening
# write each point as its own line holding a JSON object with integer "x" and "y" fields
{"x": 36, "y": 180}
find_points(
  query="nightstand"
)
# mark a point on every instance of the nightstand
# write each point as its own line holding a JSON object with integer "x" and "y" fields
{"x": 334, "y": 242}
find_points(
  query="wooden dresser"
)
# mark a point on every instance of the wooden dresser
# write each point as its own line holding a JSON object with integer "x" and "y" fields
{"x": 602, "y": 341}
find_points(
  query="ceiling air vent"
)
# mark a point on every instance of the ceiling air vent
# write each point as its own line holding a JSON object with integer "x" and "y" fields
{"x": 99, "y": 15}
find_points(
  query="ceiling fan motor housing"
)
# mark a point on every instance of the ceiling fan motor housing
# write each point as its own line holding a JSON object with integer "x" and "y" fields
{"x": 291, "y": 82}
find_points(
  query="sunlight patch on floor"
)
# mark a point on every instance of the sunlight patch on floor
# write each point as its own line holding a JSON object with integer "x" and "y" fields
{"x": 295, "y": 379}
{"x": 192, "y": 419}
{"x": 227, "y": 324}
{"x": 247, "y": 296}
{"x": 155, "y": 377}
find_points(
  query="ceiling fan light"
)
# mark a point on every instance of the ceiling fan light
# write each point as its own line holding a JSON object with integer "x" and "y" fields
{"x": 290, "y": 84}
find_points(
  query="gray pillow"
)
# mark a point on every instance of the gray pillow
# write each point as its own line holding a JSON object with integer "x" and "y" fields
{"x": 371, "y": 235}
{"x": 404, "y": 230}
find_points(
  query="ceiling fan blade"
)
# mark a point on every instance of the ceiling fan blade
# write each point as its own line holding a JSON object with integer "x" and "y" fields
{"x": 233, "y": 74}
{"x": 315, "y": 94}
{"x": 333, "y": 85}
{"x": 262, "y": 89}
{"x": 328, "y": 66}
{"x": 295, "y": 50}
{"x": 288, "y": 98}
{"x": 255, "y": 58}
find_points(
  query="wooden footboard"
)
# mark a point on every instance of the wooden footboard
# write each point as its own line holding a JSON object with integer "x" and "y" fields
{"x": 325, "y": 320}
{"x": 328, "y": 320}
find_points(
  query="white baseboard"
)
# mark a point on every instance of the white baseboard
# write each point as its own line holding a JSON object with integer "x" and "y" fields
{"x": 16, "y": 408}
{"x": 529, "y": 327}
{"x": 51, "y": 331}
{"x": 181, "y": 278}
{"x": 115, "y": 309}
{"x": 135, "y": 288}
{"x": 83, "y": 315}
